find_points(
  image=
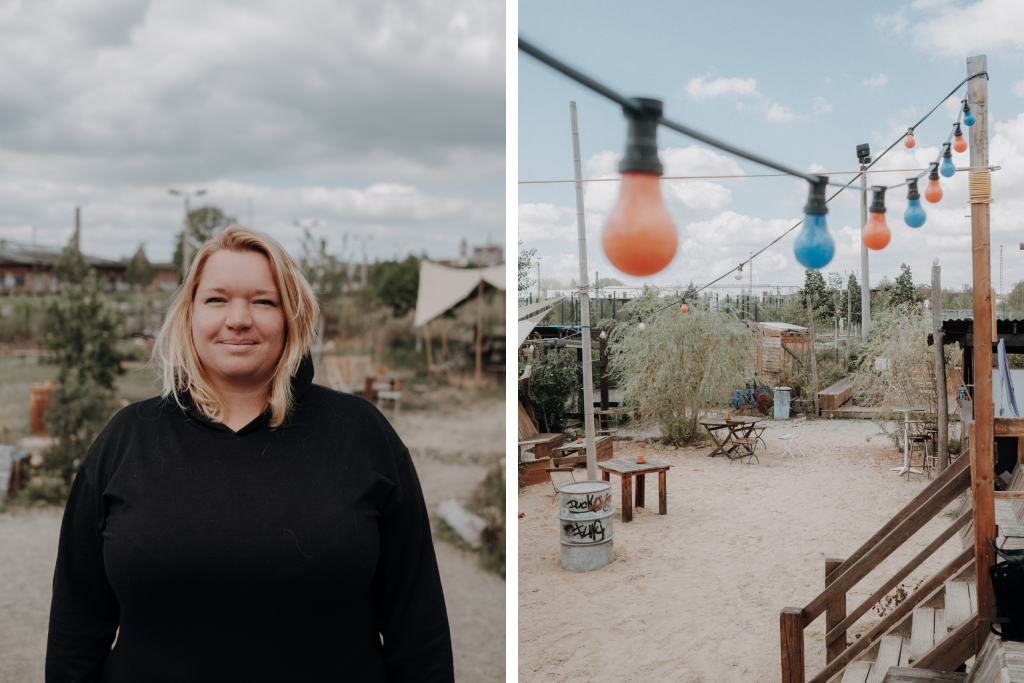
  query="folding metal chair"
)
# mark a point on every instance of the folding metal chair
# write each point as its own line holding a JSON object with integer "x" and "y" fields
{"x": 793, "y": 439}
{"x": 558, "y": 470}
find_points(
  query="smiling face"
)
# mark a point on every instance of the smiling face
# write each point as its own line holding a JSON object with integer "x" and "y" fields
{"x": 238, "y": 323}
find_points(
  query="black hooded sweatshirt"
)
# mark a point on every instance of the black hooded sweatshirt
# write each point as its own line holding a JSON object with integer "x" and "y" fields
{"x": 301, "y": 553}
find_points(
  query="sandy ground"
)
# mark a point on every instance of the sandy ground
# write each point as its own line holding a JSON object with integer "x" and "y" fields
{"x": 450, "y": 457}
{"x": 695, "y": 595}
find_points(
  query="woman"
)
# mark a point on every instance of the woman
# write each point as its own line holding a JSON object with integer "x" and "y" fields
{"x": 248, "y": 525}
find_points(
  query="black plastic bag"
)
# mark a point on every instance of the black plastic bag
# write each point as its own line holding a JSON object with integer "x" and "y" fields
{"x": 1008, "y": 586}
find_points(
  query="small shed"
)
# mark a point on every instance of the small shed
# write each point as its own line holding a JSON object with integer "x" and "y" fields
{"x": 783, "y": 348}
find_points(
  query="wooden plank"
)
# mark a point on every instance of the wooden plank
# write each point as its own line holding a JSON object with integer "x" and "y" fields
{"x": 922, "y": 634}
{"x": 888, "y": 656}
{"x": 857, "y": 672}
{"x": 1008, "y": 495}
{"x": 958, "y": 603}
{"x": 953, "y": 650}
{"x": 835, "y": 611}
{"x": 662, "y": 493}
{"x": 1008, "y": 426}
{"x": 903, "y": 674}
{"x": 791, "y": 634}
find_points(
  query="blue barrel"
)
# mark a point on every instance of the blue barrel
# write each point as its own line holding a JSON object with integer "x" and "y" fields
{"x": 782, "y": 403}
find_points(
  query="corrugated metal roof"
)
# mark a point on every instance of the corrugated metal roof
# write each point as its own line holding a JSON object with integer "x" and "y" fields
{"x": 783, "y": 326}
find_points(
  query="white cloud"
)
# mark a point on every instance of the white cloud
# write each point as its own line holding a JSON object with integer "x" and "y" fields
{"x": 700, "y": 88}
{"x": 777, "y": 113}
{"x": 876, "y": 81}
{"x": 952, "y": 29}
{"x": 821, "y": 106}
{"x": 1018, "y": 88}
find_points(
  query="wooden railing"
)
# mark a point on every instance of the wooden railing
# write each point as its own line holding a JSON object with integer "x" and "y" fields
{"x": 841, "y": 577}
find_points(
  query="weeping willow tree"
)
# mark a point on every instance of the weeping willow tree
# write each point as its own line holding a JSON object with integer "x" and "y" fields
{"x": 897, "y": 366}
{"x": 681, "y": 366}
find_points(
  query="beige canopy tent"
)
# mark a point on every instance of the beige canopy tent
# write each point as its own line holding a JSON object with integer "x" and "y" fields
{"x": 442, "y": 288}
{"x": 526, "y": 326}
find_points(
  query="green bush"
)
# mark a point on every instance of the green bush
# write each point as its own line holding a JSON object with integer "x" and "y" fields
{"x": 553, "y": 382}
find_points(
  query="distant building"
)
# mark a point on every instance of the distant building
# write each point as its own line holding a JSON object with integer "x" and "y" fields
{"x": 29, "y": 270}
{"x": 483, "y": 257}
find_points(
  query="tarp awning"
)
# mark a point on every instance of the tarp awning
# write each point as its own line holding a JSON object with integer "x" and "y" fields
{"x": 526, "y": 326}
{"x": 442, "y": 287}
{"x": 527, "y": 310}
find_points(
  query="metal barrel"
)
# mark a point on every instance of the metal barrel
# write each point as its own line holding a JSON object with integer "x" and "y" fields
{"x": 781, "y": 403}
{"x": 585, "y": 525}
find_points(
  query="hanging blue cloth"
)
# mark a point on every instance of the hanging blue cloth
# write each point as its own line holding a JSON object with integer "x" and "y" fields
{"x": 1005, "y": 383}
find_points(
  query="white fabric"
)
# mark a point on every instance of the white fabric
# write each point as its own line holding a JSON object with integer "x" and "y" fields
{"x": 527, "y": 310}
{"x": 526, "y": 326}
{"x": 442, "y": 287}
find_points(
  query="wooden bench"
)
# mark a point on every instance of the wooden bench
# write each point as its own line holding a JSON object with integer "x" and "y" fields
{"x": 836, "y": 395}
{"x": 605, "y": 451}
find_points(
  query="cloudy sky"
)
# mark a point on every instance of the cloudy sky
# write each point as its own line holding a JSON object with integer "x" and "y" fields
{"x": 384, "y": 121}
{"x": 800, "y": 82}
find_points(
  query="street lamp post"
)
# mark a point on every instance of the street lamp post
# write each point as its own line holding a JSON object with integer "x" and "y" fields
{"x": 186, "y": 257}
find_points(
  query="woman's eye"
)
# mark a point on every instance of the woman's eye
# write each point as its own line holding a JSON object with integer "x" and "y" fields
{"x": 214, "y": 300}
{"x": 266, "y": 302}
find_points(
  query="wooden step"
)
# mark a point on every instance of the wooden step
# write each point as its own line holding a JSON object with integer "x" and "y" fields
{"x": 959, "y": 603}
{"x": 928, "y": 627}
{"x": 908, "y": 675}
{"x": 857, "y": 672}
{"x": 889, "y": 652}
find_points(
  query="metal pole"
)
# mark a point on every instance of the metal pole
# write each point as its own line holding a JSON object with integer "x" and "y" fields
{"x": 588, "y": 371}
{"x": 186, "y": 257}
{"x": 865, "y": 286}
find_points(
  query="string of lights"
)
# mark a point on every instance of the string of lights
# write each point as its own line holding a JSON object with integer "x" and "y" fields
{"x": 761, "y": 175}
{"x": 639, "y": 219}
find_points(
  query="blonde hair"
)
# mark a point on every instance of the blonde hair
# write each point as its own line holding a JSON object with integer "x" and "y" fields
{"x": 175, "y": 351}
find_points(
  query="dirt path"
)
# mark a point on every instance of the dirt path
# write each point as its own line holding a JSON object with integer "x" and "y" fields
{"x": 695, "y": 595}
{"x": 450, "y": 459}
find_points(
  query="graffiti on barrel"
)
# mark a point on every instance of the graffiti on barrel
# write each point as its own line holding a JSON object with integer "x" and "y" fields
{"x": 593, "y": 531}
{"x": 591, "y": 503}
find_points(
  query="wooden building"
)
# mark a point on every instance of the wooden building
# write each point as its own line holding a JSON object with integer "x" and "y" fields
{"x": 29, "y": 270}
{"x": 783, "y": 347}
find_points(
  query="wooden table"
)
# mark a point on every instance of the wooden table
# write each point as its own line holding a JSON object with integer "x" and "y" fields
{"x": 738, "y": 428}
{"x": 627, "y": 469}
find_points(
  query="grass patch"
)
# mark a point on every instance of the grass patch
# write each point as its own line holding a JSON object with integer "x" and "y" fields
{"x": 488, "y": 502}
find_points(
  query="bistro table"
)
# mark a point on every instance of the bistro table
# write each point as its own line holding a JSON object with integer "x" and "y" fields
{"x": 739, "y": 428}
{"x": 906, "y": 443}
{"x": 627, "y": 469}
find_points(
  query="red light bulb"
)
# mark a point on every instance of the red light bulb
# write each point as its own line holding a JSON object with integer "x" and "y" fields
{"x": 959, "y": 144}
{"x": 909, "y": 142}
{"x": 684, "y": 308}
{"x": 933, "y": 192}
{"x": 876, "y": 232}
{"x": 639, "y": 237}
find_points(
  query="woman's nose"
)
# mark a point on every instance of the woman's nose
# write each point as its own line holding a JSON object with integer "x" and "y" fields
{"x": 238, "y": 315}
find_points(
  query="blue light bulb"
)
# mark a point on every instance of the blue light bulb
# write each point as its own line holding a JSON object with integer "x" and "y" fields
{"x": 946, "y": 168}
{"x": 968, "y": 116}
{"x": 814, "y": 247}
{"x": 914, "y": 215}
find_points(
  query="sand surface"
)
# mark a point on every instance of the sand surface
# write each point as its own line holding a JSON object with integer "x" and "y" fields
{"x": 695, "y": 595}
{"x": 450, "y": 458}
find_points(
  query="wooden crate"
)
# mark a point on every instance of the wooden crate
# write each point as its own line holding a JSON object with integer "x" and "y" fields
{"x": 836, "y": 395}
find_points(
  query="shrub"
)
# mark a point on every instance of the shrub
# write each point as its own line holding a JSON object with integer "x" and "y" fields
{"x": 553, "y": 382}
{"x": 681, "y": 366}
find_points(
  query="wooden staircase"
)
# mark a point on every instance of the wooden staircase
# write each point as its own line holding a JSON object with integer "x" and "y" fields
{"x": 933, "y": 630}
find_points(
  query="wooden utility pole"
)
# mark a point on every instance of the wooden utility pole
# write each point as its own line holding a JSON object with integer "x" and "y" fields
{"x": 813, "y": 353}
{"x": 940, "y": 368}
{"x": 982, "y": 463}
{"x": 587, "y": 356}
{"x": 865, "y": 282}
